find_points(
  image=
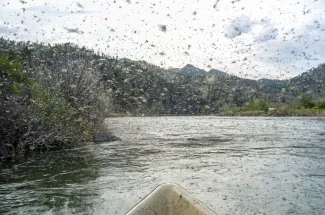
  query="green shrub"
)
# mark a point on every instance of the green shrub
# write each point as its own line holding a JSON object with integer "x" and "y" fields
{"x": 281, "y": 110}
{"x": 251, "y": 113}
{"x": 305, "y": 112}
{"x": 306, "y": 101}
{"x": 40, "y": 112}
{"x": 320, "y": 104}
{"x": 13, "y": 78}
{"x": 257, "y": 105}
{"x": 226, "y": 113}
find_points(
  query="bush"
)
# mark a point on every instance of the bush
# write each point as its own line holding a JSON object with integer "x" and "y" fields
{"x": 306, "y": 101}
{"x": 251, "y": 113}
{"x": 257, "y": 105}
{"x": 12, "y": 77}
{"x": 320, "y": 104}
{"x": 281, "y": 110}
{"x": 46, "y": 108}
{"x": 226, "y": 113}
{"x": 261, "y": 105}
{"x": 305, "y": 112}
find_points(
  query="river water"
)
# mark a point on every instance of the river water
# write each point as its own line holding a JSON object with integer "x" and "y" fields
{"x": 241, "y": 165}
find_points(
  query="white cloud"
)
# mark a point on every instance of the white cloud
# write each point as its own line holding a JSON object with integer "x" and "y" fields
{"x": 261, "y": 30}
{"x": 264, "y": 31}
{"x": 238, "y": 26}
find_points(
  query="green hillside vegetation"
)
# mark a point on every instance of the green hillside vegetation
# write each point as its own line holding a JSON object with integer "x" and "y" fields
{"x": 305, "y": 106}
{"x": 55, "y": 96}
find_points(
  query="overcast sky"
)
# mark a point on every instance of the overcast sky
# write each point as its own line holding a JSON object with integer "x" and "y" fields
{"x": 248, "y": 38}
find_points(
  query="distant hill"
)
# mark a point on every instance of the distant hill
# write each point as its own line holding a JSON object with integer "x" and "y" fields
{"x": 215, "y": 72}
{"x": 137, "y": 87}
{"x": 311, "y": 82}
{"x": 192, "y": 71}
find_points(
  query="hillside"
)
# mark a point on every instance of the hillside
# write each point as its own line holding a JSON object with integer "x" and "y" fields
{"x": 137, "y": 87}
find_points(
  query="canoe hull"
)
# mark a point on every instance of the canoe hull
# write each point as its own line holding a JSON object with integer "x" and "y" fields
{"x": 170, "y": 199}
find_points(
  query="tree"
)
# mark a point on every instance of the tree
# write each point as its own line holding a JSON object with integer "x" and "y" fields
{"x": 306, "y": 101}
{"x": 258, "y": 105}
{"x": 261, "y": 105}
{"x": 320, "y": 104}
{"x": 12, "y": 76}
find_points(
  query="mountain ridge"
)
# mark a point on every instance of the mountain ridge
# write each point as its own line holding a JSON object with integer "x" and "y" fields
{"x": 138, "y": 87}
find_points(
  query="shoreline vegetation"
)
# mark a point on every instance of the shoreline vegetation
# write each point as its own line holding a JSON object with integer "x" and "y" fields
{"x": 47, "y": 106}
{"x": 278, "y": 113}
{"x": 300, "y": 113}
{"x": 57, "y": 96}
{"x": 236, "y": 113}
{"x": 305, "y": 107}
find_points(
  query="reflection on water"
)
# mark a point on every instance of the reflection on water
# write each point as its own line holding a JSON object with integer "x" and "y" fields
{"x": 50, "y": 182}
{"x": 233, "y": 165}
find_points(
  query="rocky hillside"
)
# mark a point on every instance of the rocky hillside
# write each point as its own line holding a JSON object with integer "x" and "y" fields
{"x": 137, "y": 87}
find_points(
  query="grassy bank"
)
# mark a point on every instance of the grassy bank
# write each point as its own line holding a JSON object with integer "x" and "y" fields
{"x": 305, "y": 106}
{"x": 277, "y": 113}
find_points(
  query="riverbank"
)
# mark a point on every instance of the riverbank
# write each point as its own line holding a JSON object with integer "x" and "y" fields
{"x": 276, "y": 113}
{"x": 240, "y": 112}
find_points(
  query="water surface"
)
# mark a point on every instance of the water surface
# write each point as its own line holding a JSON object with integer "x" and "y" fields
{"x": 241, "y": 165}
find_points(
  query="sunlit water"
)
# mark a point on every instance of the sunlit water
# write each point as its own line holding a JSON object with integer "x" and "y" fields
{"x": 233, "y": 165}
